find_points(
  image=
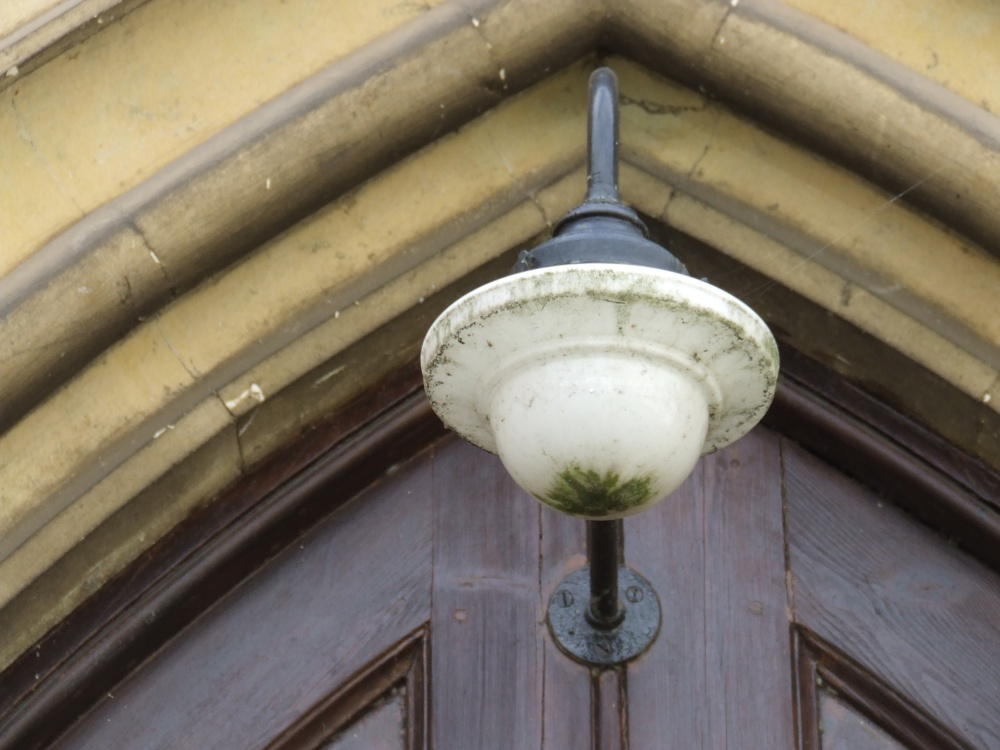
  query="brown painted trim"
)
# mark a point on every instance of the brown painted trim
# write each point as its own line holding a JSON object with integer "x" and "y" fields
{"x": 864, "y": 436}
{"x": 971, "y": 473}
{"x": 204, "y": 558}
{"x": 804, "y": 699}
{"x": 889, "y": 453}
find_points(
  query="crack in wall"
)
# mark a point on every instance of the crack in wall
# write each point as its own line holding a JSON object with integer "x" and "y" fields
{"x": 717, "y": 37}
{"x": 691, "y": 172}
{"x": 658, "y": 108}
{"x": 238, "y": 430}
{"x": 133, "y": 226}
{"x": 166, "y": 340}
{"x": 531, "y": 195}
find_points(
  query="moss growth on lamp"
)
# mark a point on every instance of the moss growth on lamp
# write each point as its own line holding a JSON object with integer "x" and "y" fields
{"x": 584, "y": 492}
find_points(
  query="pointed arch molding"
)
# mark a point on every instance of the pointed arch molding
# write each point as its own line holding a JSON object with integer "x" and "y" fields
{"x": 160, "y": 337}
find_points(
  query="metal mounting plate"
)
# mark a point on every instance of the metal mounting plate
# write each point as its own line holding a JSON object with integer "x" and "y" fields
{"x": 594, "y": 646}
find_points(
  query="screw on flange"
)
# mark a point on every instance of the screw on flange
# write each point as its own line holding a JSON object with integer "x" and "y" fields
{"x": 593, "y": 643}
{"x": 633, "y": 594}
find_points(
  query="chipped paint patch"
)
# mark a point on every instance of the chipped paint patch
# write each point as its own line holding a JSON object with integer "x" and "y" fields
{"x": 162, "y": 430}
{"x": 253, "y": 392}
{"x": 246, "y": 425}
{"x": 333, "y": 372}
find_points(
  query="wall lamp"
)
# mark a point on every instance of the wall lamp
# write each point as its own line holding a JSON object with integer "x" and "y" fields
{"x": 600, "y": 372}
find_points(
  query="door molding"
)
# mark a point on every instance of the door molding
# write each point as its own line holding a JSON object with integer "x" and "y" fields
{"x": 405, "y": 665}
{"x": 818, "y": 663}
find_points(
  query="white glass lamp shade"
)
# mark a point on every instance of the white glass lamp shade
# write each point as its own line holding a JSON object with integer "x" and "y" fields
{"x": 599, "y": 385}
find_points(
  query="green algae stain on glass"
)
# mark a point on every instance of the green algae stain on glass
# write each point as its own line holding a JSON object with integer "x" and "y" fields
{"x": 584, "y": 492}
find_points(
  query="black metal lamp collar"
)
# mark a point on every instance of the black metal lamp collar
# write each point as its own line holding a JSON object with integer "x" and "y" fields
{"x": 602, "y": 229}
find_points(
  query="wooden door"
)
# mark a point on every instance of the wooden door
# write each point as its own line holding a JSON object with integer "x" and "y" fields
{"x": 799, "y": 610}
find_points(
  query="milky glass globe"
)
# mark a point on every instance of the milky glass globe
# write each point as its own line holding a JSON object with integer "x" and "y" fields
{"x": 599, "y": 385}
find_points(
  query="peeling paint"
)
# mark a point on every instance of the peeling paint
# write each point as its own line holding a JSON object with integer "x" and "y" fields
{"x": 246, "y": 425}
{"x": 335, "y": 371}
{"x": 161, "y": 431}
{"x": 253, "y": 392}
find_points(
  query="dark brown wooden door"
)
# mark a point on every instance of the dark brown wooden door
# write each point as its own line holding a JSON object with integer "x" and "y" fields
{"x": 799, "y": 611}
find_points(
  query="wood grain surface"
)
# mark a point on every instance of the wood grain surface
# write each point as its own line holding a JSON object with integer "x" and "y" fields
{"x": 567, "y": 712}
{"x": 397, "y": 676}
{"x": 718, "y": 675}
{"x": 609, "y": 709}
{"x": 821, "y": 671}
{"x": 896, "y": 598}
{"x": 488, "y": 664}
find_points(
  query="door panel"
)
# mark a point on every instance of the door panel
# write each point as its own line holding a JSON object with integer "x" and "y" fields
{"x": 845, "y": 729}
{"x": 798, "y": 611}
{"x": 382, "y": 728}
{"x": 567, "y": 683}
{"x": 487, "y": 661}
{"x": 718, "y": 675}
{"x": 912, "y": 613}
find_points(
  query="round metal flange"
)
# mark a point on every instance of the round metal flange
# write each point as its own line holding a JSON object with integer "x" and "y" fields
{"x": 595, "y": 646}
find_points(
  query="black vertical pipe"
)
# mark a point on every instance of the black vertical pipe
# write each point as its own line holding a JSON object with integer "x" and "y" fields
{"x": 602, "y": 138}
{"x": 605, "y": 552}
